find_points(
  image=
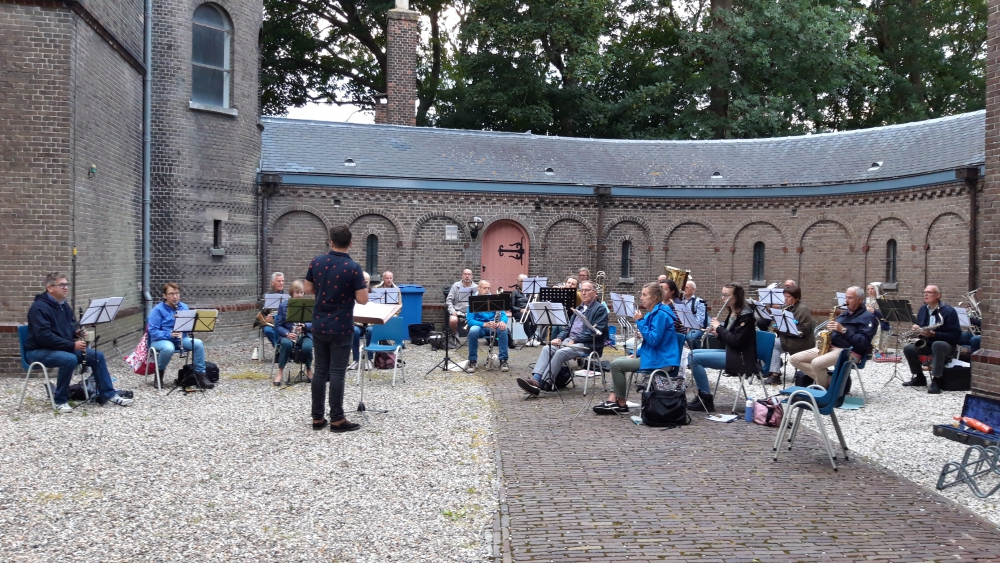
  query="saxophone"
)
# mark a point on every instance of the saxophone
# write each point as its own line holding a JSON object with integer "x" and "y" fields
{"x": 823, "y": 340}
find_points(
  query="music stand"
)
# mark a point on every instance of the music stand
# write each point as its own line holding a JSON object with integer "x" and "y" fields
{"x": 772, "y": 297}
{"x": 446, "y": 363}
{"x": 490, "y": 304}
{"x": 99, "y": 311}
{"x": 376, "y": 314}
{"x": 530, "y": 286}
{"x": 385, "y": 295}
{"x": 299, "y": 310}
{"x": 896, "y": 310}
{"x": 549, "y": 314}
{"x": 760, "y": 311}
{"x": 274, "y": 300}
{"x": 193, "y": 320}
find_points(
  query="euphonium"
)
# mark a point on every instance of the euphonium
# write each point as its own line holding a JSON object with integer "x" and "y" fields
{"x": 823, "y": 340}
{"x": 679, "y": 276}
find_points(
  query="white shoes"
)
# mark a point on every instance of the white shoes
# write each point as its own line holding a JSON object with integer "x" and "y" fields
{"x": 353, "y": 366}
{"x": 121, "y": 401}
{"x": 64, "y": 408}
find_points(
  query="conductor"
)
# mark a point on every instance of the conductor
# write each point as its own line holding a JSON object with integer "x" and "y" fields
{"x": 338, "y": 282}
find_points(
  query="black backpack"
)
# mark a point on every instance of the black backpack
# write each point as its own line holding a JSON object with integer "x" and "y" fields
{"x": 211, "y": 372}
{"x": 664, "y": 408}
{"x": 563, "y": 378}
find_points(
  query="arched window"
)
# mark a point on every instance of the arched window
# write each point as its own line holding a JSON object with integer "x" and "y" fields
{"x": 758, "y": 261}
{"x": 371, "y": 255}
{"x": 626, "y": 258}
{"x": 890, "y": 261}
{"x": 210, "y": 56}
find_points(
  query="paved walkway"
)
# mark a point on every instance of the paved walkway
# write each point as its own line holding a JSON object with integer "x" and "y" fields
{"x": 599, "y": 488}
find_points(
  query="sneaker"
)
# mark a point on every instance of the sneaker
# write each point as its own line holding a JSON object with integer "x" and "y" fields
{"x": 503, "y": 365}
{"x": 64, "y": 408}
{"x": 774, "y": 379}
{"x": 610, "y": 408}
{"x": 528, "y": 385}
{"x": 471, "y": 366}
{"x": 353, "y": 366}
{"x": 121, "y": 401}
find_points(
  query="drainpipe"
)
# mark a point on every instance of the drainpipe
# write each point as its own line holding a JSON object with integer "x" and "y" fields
{"x": 147, "y": 142}
{"x": 971, "y": 177}
{"x": 602, "y": 192}
{"x": 268, "y": 186}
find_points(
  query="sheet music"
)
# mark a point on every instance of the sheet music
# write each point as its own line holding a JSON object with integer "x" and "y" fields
{"x": 390, "y": 295}
{"x": 548, "y": 314}
{"x": 628, "y": 302}
{"x": 617, "y": 304}
{"x": 101, "y": 310}
{"x": 963, "y": 317}
{"x": 841, "y": 299}
{"x": 772, "y": 297}
{"x": 184, "y": 320}
{"x": 786, "y": 322}
{"x": 686, "y": 316}
{"x": 274, "y": 300}
{"x": 532, "y": 285}
{"x": 375, "y": 313}
{"x": 760, "y": 310}
{"x": 205, "y": 320}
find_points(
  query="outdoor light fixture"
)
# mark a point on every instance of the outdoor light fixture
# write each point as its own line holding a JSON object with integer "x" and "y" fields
{"x": 475, "y": 224}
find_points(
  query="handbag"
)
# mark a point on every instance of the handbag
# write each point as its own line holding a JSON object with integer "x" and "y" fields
{"x": 664, "y": 408}
{"x": 768, "y": 412}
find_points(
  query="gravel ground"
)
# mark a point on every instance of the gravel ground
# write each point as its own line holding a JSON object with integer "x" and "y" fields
{"x": 238, "y": 474}
{"x": 894, "y": 430}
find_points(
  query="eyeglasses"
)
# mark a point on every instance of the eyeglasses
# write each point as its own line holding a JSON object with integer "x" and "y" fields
{"x": 587, "y": 290}
{"x": 62, "y": 285}
{"x": 173, "y": 293}
{"x": 930, "y": 293}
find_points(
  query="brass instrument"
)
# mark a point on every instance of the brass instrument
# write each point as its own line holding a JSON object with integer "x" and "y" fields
{"x": 679, "y": 276}
{"x": 973, "y": 310}
{"x": 261, "y": 319}
{"x": 599, "y": 286}
{"x": 704, "y": 337}
{"x": 825, "y": 336}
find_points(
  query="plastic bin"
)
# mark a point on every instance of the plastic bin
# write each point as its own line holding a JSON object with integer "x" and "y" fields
{"x": 413, "y": 303}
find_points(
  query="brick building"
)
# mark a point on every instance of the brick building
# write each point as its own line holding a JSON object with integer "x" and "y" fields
{"x": 71, "y": 146}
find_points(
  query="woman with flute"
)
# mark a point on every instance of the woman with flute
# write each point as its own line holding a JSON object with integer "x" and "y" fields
{"x": 739, "y": 333}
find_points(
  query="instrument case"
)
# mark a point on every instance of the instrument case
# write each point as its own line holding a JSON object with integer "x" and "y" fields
{"x": 957, "y": 378}
{"x": 983, "y": 409}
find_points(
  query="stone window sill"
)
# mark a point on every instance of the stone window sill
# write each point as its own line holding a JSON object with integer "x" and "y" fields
{"x": 758, "y": 283}
{"x": 218, "y": 251}
{"x": 626, "y": 280}
{"x": 213, "y": 109}
{"x": 889, "y": 286}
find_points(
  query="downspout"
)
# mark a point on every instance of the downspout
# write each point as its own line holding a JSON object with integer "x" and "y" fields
{"x": 602, "y": 192}
{"x": 147, "y": 143}
{"x": 971, "y": 177}
{"x": 268, "y": 186}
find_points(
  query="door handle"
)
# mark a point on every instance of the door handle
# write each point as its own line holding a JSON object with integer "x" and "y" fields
{"x": 484, "y": 269}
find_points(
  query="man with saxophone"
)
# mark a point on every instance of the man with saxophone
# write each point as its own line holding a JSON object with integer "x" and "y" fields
{"x": 939, "y": 333}
{"x": 484, "y": 325}
{"x": 853, "y": 328}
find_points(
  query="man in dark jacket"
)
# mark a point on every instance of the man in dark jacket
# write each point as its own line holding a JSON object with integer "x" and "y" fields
{"x": 518, "y": 303}
{"x": 52, "y": 341}
{"x": 941, "y": 341}
{"x": 854, "y": 328}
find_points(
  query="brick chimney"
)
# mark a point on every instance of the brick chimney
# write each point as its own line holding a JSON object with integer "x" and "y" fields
{"x": 402, "y": 35}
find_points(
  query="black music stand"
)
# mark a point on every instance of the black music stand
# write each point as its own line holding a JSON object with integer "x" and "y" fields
{"x": 896, "y": 310}
{"x": 564, "y": 295}
{"x": 202, "y": 320}
{"x": 299, "y": 311}
{"x": 530, "y": 286}
{"x": 490, "y": 304}
{"x": 446, "y": 363}
{"x": 99, "y": 311}
{"x": 546, "y": 313}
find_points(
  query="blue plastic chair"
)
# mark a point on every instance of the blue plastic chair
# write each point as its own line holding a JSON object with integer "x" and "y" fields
{"x": 821, "y": 402}
{"x": 396, "y": 331}
{"x": 22, "y": 335}
{"x": 856, "y": 368}
{"x": 765, "y": 344}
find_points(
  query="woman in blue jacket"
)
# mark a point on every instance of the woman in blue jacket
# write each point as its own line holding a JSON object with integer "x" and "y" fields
{"x": 289, "y": 337}
{"x": 659, "y": 348}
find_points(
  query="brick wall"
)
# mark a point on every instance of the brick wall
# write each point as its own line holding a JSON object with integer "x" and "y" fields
{"x": 122, "y": 18}
{"x": 298, "y": 236}
{"x": 832, "y": 233}
{"x": 402, "y": 36}
{"x": 986, "y": 363}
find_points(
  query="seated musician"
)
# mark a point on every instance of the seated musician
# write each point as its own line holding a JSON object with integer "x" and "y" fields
{"x": 356, "y": 343}
{"x": 658, "y": 350}
{"x": 871, "y": 303}
{"x": 277, "y": 286}
{"x": 519, "y": 304}
{"x": 573, "y": 283}
{"x": 458, "y": 307}
{"x": 52, "y": 340}
{"x": 570, "y": 342}
{"x": 292, "y": 335}
{"x": 484, "y": 325}
{"x": 853, "y": 328}
{"x": 739, "y": 333}
{"x": 972, "y": 339}
{"x": 940, "y": 341}
{"x": 166, "y": 341}
{"x": 790, "y": 343}
{"x": 698, "y": 309}
{"x": 387, "y": 281}
{"x": 583, "y": 274}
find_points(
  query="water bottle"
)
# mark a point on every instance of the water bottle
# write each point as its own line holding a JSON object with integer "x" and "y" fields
{"x": 748, "y": 413}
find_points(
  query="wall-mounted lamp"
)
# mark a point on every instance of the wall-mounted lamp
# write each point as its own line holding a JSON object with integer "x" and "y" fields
{"x": 475, "y": 224}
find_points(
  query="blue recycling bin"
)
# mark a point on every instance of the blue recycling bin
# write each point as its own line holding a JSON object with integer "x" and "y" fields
{"x": 413, "y": 303}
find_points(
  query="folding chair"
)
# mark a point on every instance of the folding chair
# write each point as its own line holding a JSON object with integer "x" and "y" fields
{"x": 395, "y": 330}
{"x": 291, "y": 379}
{"x": 856, "y": 368}
{"x": 821, "y": 402}
{"x": 22, "y": 335}
{"x": 681, "y": 338}
{"x": 765, "y": 344}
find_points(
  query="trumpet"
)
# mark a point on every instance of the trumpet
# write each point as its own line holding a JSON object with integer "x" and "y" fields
{"x": 704, "y": 337}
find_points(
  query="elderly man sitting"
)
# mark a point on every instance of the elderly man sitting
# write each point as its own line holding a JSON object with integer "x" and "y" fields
{"x": 484, "y": 325}
{"x": 570, "y": 342}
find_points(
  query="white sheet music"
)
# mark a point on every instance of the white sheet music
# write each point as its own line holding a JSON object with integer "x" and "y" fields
{"x": 388, "y": 295}
{"x": 530, "y": 286}
{"x": 545, "y": 313}
{"x": 274, "y": 300}
{"x": 687, "y": 317}
{"x": 963, "y": 317}
{"x": 841, "y": 299}
{"x": 101, "y": 310}
{"x": 786, "y": 322}
{"x": 772, "y": 297}
{"x": 184, "y": 321}
{"x": 760, "y": 310}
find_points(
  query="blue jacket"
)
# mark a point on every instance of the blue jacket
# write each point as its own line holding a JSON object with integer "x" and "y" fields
{"x": 479, "y": 319}
{"x": 51, "y": 325}
{"x": 161, "y": 321}
{"x": 283, "y": 327}
{"x": 950, "y": 331}
{"x": 860, "y": 327}
{"x": 659, "y": 339}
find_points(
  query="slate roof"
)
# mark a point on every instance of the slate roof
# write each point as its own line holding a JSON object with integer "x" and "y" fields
{"x": 384, "y": 151}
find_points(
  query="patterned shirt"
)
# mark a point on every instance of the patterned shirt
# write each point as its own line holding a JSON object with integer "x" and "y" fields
{"x": 335, "y": 278}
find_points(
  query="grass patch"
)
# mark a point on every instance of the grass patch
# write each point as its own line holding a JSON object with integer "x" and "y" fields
{"x": 48, "y": 497}
{"x": 249, "y": 375}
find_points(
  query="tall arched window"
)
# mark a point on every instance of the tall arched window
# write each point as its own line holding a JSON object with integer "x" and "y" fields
{"x": 758, "y": 261}
{"x": 626, "y": 258}
{"x": 371, "y": 255}
{"x": 210, "y": 56}
{"x": 890, "y": 261}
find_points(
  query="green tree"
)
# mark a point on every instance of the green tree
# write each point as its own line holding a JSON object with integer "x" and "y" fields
{"x": 333, "y": 51}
